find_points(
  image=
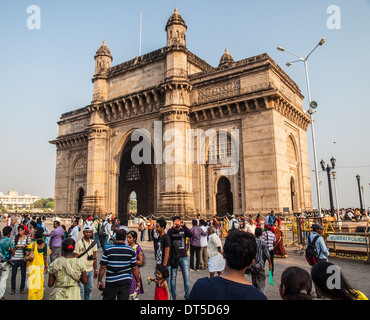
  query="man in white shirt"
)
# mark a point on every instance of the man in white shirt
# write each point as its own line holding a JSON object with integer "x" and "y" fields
{"x": 75, "y": 231}
{"x": 89, "y": 259}
{"x": 203, "y": 262}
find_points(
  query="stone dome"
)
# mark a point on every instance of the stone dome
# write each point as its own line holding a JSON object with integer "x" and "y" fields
{"x": 103, "y": 51}
{"x": 226, "y": 58}
{"x": 176, "y": 18}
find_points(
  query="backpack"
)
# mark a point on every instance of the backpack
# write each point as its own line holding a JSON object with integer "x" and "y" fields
{"x": 312, "y": 256}
{"x": 101, "y": 230}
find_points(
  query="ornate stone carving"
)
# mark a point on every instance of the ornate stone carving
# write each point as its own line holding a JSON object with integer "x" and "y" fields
{"x": 224, "y": 90}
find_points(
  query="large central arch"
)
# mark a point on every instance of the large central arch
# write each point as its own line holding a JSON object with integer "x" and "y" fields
{"x": 224, "y": 197}
{"x": 135, "y": 177}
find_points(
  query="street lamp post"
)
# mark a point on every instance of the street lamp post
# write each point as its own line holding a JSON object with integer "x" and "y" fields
{"x": 359, "y": 192}
{"x": 312, "y": 105}
{"x": 334, "y": 174}
{"x": 328, "y": 169}
{"x": 364, "y": 198}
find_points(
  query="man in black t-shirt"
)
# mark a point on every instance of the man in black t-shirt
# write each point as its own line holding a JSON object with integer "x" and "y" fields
{"x": 162, "y": 245}
{"x": 178, "y": 234}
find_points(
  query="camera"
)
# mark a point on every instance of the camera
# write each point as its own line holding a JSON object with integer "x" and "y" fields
{"x": 91, "y": 257}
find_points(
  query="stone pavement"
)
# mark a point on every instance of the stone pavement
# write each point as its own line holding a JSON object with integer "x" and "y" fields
{"x": 356, "y": 272}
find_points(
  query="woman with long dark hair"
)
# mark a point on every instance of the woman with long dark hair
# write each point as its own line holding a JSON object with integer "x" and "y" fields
{"x": 335, "y": 288}
{"x": 132, "y": 242}
{"x": 21, "y": 242}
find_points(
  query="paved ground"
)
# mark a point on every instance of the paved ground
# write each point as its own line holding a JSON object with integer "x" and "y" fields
{"x": 357, "y": 274}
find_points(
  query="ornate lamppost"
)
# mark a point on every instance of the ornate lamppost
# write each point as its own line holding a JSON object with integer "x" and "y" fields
{"x": 359, "y": 193}
{"x": 328, "y": 169}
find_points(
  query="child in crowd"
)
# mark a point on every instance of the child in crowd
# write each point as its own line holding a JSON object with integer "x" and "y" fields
{"x": 295, "y": 284}
{"x": 162, "y": 291}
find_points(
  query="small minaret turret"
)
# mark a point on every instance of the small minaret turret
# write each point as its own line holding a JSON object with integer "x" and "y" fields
{"x": 176, "y": 30}
{"x": 103, "y": 62}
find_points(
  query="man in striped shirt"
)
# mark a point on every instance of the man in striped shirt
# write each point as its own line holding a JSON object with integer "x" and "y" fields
{"x": 269, "y": 238}
{"x": 117, "y": 262}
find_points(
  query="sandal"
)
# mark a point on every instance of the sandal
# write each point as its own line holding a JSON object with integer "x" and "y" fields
{"x": 13, "y": 292}
{"x": 23, "y": 292}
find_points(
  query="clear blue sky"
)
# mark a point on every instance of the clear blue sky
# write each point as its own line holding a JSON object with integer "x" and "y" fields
{"x": 46, "y": 72}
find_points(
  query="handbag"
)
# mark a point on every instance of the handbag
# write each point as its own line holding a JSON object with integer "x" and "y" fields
{"x": 31, "y": 256}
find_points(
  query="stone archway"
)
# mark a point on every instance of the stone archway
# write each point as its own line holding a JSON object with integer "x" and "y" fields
{"x": 138, "y": 178}
{"x": 224, "y": 197}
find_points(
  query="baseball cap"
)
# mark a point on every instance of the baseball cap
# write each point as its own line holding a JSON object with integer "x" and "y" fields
{"x": 317, "y": 226}
{"x": 88, "y": 228}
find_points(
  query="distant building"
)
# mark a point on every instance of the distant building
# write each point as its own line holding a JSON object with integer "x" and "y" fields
{"x": 13, "y": 200}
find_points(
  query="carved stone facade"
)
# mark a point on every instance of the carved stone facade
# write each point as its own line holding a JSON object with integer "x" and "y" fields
{"x": 172, "y": 86}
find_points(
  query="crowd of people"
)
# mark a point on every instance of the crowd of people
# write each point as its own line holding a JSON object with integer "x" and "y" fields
{"x": 70, "y": 261}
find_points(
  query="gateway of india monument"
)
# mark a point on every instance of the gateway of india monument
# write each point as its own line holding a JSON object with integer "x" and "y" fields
{"x": 151, "y": 103}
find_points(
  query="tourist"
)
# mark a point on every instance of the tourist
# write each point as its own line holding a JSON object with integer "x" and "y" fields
{"x": 85, "y": 250}
{"x": 66, "y": 274}
{"x": 203, "y": 244}
{"x": 241, "y": 221}
{"x": 117, "y": 263}
{"x": 75, "y": 230}
{"x": 97, "y": 226}
{"x": 21, "y": 242}
{"x": 216, "y": 261}
{"x": 37, "y": 266}
{"x": 56, "y": 237}
{"x": 142, "y": 228}
{"x": 178, "y": 234}
{"x": 258, "y": 221}
{"x": 105, "y": 233}
{"x": 198, "y": 218}
{"x": 150, "y": 226}
{"x": 216, "y": 224}
{"x": 6, "y": 253}
{"x": 272, "y": 218}
{"x": 115, "y": 225}
{"x": 279, "y": 249}
{"x": 14, "y": 226}
{"x": 162, "y": 291}
{"x": 65, "y": 233}
{"x": 269, "y": 238}
{"x": 250, "y": 226}
{"x": 234, "y": 224}
{"x": 132, "y": 243}
{"x": 225, "y": 227}
{"x": 295, "y": 284}
{"x": 322, "y": 250}
{"x": 162, "y": 246}
{"x": 239, "y": 251}
{"x": 257, "y": 270}
{"x": 32, "y": 229}
{"x": 330, "y": 282}
{"x": 196, "y": 232}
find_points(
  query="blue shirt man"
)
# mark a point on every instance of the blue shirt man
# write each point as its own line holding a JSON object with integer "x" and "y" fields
{"x": 320, "y": 243}
{"x": 6, "y": 252}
